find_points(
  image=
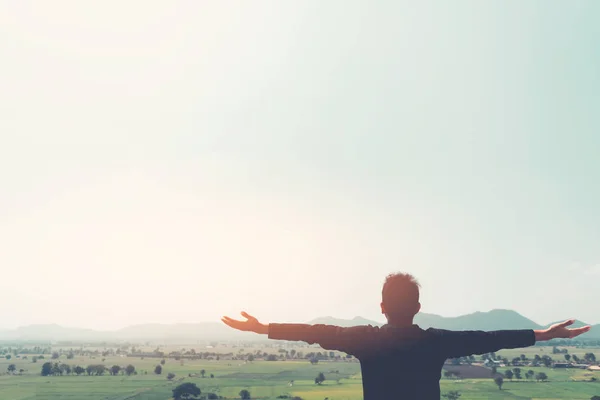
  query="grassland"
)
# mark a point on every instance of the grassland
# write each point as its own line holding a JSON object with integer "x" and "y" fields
{"x": 266, "y": 380}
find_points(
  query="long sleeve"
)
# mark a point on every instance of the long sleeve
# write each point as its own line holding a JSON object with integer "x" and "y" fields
{"x": 330, "y": 337}
{"x": 464, "y": 343}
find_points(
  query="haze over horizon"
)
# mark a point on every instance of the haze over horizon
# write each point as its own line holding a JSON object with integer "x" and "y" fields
{"x": 176, "y": 162}
{"x": 321, "y": 319}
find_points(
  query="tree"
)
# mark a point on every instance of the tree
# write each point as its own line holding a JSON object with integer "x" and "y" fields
{"x": 114, "y": 370}
{"x": 70, "y": 356}
{"x": 79, "y": 370}
{"x": 244, "y": 394}
{"x": 271, "y": 357}
{"x": 130, "y": 369}
{"x": 12, "y": 368}
{"x": 65, "y": 369}
{"x": 320, "y": 378}
{"x": 56, "y": 369}
{"x": 529, "y": 374}
{"x": 162, "y": 362}
{"x": 452, "y": 395}
{"x": 547, "y": 361}
{"x": 567, "y": 357}
{"x": 158, "y": 370}
{"x": 203, "y": 372}
{"x": 541, "y": 376}
{"x": 251, "y": 358}
{"x": 499, "y": 381}
{"x": 575, "y": 358}
{"x": 55, "y": 355}
{"x": 34, "y": 359}
{"x": 186, "y": 391}
{"x": 170, "y": 376}
{"x": 508, "y": 374}
{"x": 595, "y": 398}
{"x": 589, "y": 357}
{"x": 99, "y": 369}
{"x": 212, "y": 376}
{"x": 47, "y": 369}
{"x": 8, "y": 356}
{"x": 517, "y": 372}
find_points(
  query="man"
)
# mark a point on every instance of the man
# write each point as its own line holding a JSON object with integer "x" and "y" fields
{"x": 400, "y": 360}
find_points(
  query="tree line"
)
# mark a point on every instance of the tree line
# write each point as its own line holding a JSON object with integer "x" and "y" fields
{"x": 59, "y": 369}
{"x": 536, "y": 361}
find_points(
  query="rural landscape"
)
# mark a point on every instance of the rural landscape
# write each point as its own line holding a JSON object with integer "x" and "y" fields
{"x": 210, "y": 361}
{"x": 167, "y": 166}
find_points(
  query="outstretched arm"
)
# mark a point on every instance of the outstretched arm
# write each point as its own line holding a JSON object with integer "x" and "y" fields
{"x": 465, "y": 343}
{"x": 330, "y": 337}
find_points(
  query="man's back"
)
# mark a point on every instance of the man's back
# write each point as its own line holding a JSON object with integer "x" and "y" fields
{"x": 402, "y": 362}
{"x": 405, "y": 369}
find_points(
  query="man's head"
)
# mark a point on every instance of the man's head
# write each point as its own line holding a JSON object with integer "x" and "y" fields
{"x": 400, "y": 297}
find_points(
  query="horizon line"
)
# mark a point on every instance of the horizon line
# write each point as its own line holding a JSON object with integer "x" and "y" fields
{"x": 315, "y": 318}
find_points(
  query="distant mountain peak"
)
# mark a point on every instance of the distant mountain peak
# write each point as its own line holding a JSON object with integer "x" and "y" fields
{"x": 496, "y": 319}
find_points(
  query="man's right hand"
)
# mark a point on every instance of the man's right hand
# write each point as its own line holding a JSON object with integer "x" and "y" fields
{"x": 560, "y": 331}
{"x": 251, "y": 325}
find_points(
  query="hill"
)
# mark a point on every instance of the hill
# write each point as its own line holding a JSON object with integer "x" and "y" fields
{"x": 201, "y": 331}
{"x": 491, "y": 320}
{"x": 211, "y": 331}
{"x": 204, "y": 331}
{"x": 50, "y": 332}
{"x": 486, "y": 321}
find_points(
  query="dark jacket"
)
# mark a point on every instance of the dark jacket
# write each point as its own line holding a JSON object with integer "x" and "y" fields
{"x": 402, "y": 362}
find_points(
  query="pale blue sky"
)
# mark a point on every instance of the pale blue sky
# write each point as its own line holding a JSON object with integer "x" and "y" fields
{"x": 176, "y": 161}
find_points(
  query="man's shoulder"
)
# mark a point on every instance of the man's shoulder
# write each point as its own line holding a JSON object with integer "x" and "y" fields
{"x": 385, "y": 330}
{"x": 348, "y": 329}
{"x": 363, "y": 328}
{"x": 438, "y": 333}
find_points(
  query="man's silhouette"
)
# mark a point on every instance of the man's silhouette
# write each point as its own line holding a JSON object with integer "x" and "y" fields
{"x": 399, "y": 360}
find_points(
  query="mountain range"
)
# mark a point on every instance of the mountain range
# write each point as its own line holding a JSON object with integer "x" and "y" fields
{"x": 485, "y": 321}
{"x": 217, "y": 331}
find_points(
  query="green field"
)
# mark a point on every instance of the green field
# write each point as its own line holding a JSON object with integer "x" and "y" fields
{"x": 265, "y": 380}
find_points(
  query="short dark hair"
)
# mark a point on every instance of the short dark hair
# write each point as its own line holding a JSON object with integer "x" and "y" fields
{"x": 400, "y": 295}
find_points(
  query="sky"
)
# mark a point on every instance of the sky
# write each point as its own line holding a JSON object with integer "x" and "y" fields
{"x": 179, "y": 161}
